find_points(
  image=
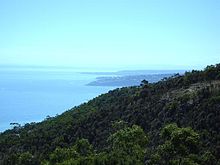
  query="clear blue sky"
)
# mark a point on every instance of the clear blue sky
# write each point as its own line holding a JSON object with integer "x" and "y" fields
{"x": 151, "y": 34}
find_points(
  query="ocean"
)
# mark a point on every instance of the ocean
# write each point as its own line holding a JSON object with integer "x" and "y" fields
{"x": 31, "y": 95}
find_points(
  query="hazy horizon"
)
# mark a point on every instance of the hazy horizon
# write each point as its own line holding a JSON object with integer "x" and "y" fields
{"x": 101, "y": 69}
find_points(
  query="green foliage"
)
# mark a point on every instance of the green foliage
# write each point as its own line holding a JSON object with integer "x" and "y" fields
{"x": 182, "y": 140}
{"x": 83, "y": 147}
{"x": 60, "y": 154}
{"x": 190, "y": 100}
{"x": 208, "y": 158}
{"x": 128, "y": 146}
{"x": 118, "y": 125}
{"x": 181, "y": 147}
{"x": 25, "y": 159}
{"x": 76, "y": 153}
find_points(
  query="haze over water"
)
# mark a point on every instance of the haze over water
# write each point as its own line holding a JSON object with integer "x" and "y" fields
{"x": 31, "y": 95}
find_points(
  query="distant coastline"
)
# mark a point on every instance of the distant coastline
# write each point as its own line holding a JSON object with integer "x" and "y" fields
{"x": 132, "y": 80}
{"x": 136, "y": 72}
{"x": 130, "y": 77}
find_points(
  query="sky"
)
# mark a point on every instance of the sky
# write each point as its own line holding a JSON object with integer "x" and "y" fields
{"x": 138, "y": 34}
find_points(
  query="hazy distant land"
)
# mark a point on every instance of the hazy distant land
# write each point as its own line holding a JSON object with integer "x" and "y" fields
{"x": 127, "y": 80}
{"x": 131, "y": 77}
{"x": 136, "y": 72}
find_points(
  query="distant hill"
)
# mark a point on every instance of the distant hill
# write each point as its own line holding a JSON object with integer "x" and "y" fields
{"x": 191, "y": 101}
{"x": 135, "y": 72}
{"x": 127, "y": 78}
{"x": 132, "y": 80}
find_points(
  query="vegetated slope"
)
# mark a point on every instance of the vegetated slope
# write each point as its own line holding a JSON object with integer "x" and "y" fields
{"x": 189, "y": 100}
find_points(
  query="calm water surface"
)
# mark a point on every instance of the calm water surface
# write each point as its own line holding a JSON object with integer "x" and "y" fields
{"x": 29, "y": 96}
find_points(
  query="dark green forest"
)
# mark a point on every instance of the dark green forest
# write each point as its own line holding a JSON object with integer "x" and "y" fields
{"x": 175, "y": 121}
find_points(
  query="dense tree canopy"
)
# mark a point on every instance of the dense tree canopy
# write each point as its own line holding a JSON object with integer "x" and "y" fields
{"x": 192, "y": 101}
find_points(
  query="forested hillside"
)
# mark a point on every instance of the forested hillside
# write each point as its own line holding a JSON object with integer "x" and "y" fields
{"x": 175, "y": 121}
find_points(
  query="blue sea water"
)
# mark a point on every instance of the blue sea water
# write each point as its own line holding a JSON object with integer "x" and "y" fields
{"x": 30, "y": 95}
